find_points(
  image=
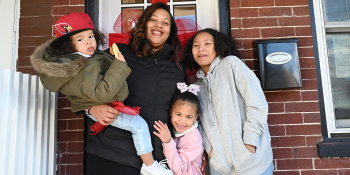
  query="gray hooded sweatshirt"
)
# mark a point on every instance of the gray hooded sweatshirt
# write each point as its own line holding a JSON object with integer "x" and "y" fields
{"x": 234, "y": 113}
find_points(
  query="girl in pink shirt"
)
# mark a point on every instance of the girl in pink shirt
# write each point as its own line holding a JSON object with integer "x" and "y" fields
{"x": 184, "y": 151}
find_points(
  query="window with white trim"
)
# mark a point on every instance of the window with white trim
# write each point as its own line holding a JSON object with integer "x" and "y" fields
{"x": 204, "y": 12}
{"x": 332, "y": 20}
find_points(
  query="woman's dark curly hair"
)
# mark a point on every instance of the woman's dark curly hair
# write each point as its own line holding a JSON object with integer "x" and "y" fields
{"x": 140, "y": 44}
{"x": 65, "y": 46}
{"x": 223, "y": 45}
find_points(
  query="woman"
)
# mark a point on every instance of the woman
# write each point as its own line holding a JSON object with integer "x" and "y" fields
{"x": 152, "y": 55}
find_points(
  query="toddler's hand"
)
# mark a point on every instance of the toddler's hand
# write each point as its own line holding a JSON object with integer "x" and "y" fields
{"x": 121, "y": 57}
{"x": 163, "y": 131}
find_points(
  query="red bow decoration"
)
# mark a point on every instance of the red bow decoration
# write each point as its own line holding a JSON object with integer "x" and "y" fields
{"x": 97, "y": 127}
{"x": 163, "y": 1}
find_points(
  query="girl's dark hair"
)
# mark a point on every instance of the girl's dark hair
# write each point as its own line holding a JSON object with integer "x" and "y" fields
{"x": 186, "y": 97}
{"x": 65, "y": 46}
{"x": 140, "y": 44}
{"x": 223, "y": 45}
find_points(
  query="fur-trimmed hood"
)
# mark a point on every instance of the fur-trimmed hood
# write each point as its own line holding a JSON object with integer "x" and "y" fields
{"x": 63, "y": 66}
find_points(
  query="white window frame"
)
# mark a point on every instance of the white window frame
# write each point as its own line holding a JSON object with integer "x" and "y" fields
{"x": 207, "y": 13}
{"x": 320, "y": 27}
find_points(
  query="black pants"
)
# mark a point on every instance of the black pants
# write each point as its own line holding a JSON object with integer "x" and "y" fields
{"x": 96, "y": 165}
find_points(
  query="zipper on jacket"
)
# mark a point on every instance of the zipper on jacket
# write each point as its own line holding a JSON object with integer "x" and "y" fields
{"x": 155, "y": 93}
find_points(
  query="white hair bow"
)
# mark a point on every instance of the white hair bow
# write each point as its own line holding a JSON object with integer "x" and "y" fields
{"x": 191, "y": 88}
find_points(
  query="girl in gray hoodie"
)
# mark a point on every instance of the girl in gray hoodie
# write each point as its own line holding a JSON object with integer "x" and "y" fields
{"x": 233, "y": 122}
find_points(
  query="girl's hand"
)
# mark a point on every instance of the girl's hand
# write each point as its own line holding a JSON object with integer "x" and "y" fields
{"x": 163, "y": 131}
{"x": 104, "y": 113}
{"x": 211, "y": 153}
{"x": 121, "y": 57}
{"x": 205, "y": 162}
{"x": 250, "y": 148}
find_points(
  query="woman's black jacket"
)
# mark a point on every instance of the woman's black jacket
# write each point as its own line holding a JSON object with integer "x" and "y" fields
{"x": 152, "y": 84}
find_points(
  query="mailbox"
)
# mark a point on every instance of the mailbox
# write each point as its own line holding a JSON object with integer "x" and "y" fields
{"x": 279, "y": 63}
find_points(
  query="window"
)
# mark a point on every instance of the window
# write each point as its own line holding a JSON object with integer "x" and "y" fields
{"x": 204, "y": 12}
{"x": 332, "y": 24}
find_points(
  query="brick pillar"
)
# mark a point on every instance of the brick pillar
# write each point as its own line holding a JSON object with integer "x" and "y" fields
{"x": 70, "y": 131}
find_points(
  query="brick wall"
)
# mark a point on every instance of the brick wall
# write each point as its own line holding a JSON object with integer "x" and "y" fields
{"x": 70, "y": 131}
{"x": 294, "y": 118}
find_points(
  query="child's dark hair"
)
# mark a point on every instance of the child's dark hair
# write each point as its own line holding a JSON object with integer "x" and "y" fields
{"x": 223, "y": 45}
{"x": 186, "y": 97}
{"x": 65, "y": 46}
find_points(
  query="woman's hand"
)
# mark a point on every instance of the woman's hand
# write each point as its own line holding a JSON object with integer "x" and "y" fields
{"x": 104, "y": 113}
{"x": 211, "y": 153}
{"x": 163, "y": 131}
{"x": 205, "y": 162}
{"x": 250, "y": 148}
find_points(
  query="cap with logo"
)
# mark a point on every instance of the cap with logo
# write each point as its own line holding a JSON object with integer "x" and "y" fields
{"x": 71, "y": 24}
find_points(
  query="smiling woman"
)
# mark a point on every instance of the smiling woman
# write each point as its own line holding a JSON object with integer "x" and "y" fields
{"x": 158, "y": 29}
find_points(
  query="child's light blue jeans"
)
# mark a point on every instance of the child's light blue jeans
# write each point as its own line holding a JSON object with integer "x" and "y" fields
{"x": 139, "y": 129}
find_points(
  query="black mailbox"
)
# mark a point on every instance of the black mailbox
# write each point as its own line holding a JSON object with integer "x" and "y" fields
{"x": 279, "y": 63}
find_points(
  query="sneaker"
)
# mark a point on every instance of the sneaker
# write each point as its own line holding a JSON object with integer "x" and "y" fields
{"x": 156, "y": 168}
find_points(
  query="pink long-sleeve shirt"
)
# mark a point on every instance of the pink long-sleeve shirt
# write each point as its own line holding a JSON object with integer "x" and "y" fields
{"x": 185, "y": 153}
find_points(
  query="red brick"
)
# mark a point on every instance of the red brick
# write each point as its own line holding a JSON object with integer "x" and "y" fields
{"x": 62, "y": 125}
{"x": 277, "y": 32}
{"x": 235, "y": 3}
{"x": 305, "y": 41}
{"x": 303, "y": 31}
{"x": 302, "y": 107}
{"x": 290, "y": 164}
{"x": 76, "y": 124}
{"x": 23, "y": 61}
{"x": 286, "y": 173}
{"x": 283, "y": 96}
{"x": 245, "y": 33}
{"x": 246, "y": 54}
{"x": 293, "y": 118}
{"x": 303, "y": 130}
{"x": 60, "y": 2}
{"x": 77, "y": 2}
{"x": 26, "y": 41}
{"x": 288, "y": 141}
{"x": 282, "y": 153}
{"x": 244, "y": 12}
{"x": 305, "y": 52}
{"x": 291, "y": 2}
{"x": 35, "y": 31}
{"x": 309, "y": 84}
{"x": 249, "y": 43}
{"x": 63, "y": 10}
{"x": 309, "y": 96}
{"x": 70, "y": 136}
{"x": 26, "y": 21}
{"x": 294, "y": 21}
{"x": 257, "y": 3}
{"x": 61, "y": 169}
{"x": 236, "y": 23}
{"x": 62, "y": 147}
{"x": 44, "y": 2}
{"x": 239, "y": 43}
{"x": 259, "y": 22}
{"x": 319, "y": 172}
{"x": 75, "y": 147}
{"x": 305, "y": 152}
{"x": 25, "y": 51}
{"x": 43, "y": 21}
{"x": 252, "y": 64}
{"x": 343, "y": 171}
{"x": 275, "y": 11}
{"x": 68, "y": 114}
{"x": 307, "y": 63}
{"x": 312, "y": 140}
{"x": 308, "y": 73}
{"x": 62, "y": 103}
{"x": 276, "y": 107}
{"x": 332, "y": 163}
{"x": 277, "y": 130}
{"x": 298, "y": 11}
{"x": 312, "y": 117}
{"x": 35, "y": 11}
{"x": 28, "y": 3}
{"x": 74, "y": 169}
{"x": 72, "y": 158}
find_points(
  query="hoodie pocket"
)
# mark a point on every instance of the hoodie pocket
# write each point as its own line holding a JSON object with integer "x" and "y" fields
{"x": 219, "y": 162}
{"x": 244, "y": 157}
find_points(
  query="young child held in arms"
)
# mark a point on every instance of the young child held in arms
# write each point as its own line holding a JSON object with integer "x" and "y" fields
{"x": 73, "y": 65}
{"x": 234, "y": 116}
{"x": 185, "y": 151}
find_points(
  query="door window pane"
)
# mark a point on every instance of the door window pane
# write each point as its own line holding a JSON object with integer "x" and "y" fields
{"x": 131, "y": 1}
{"x": 339, "y": 66}
{"x": 185, "y": 11}
{"x": 128, "y": 19}
{"x": 337, "y": 10}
